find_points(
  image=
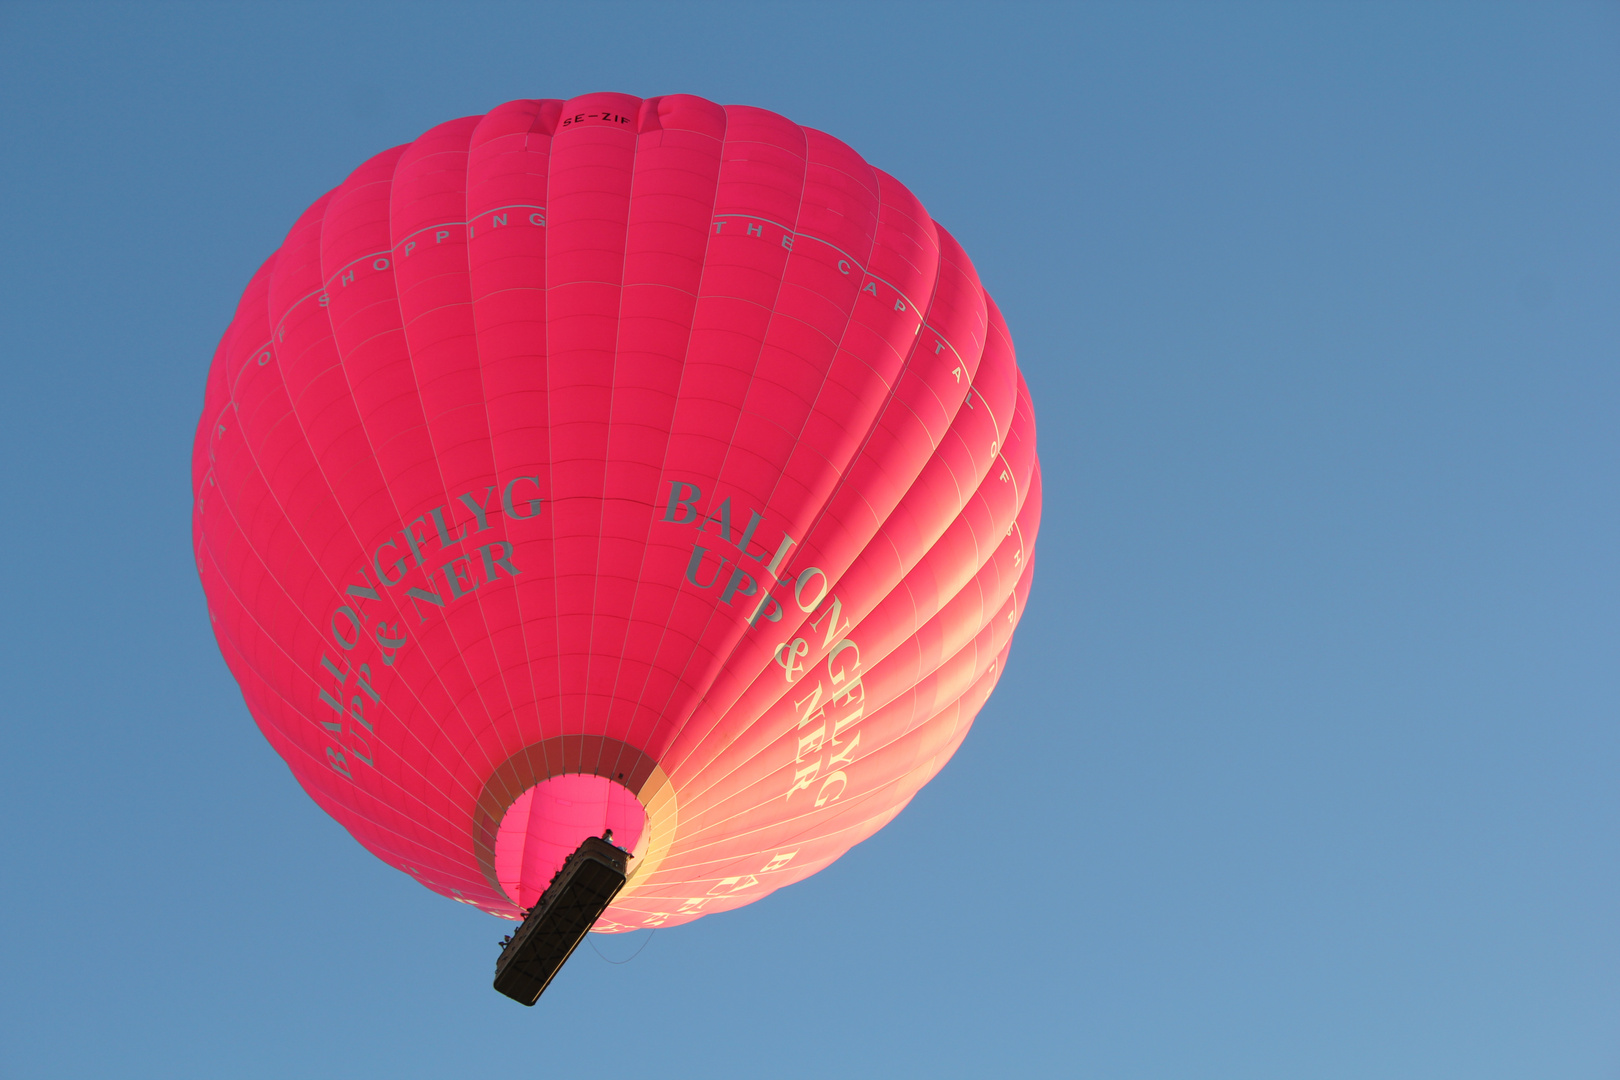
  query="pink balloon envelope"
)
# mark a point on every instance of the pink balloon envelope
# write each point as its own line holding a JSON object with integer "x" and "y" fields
{"x": 642, "y": 464}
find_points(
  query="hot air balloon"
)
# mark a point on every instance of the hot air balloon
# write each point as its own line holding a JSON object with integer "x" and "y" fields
{"x": 625, "y": 464}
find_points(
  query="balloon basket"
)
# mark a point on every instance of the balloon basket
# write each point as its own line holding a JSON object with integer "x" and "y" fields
{"x": 581, "y": 890}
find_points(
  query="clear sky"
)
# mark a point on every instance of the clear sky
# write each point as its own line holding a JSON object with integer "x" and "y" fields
{"x": 1305, "y": 764}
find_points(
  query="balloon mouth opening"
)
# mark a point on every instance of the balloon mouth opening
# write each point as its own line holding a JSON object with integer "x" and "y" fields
{"x": 547, "y": 822}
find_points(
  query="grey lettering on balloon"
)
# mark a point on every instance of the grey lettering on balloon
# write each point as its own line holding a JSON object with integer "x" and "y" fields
{"x": 721, "y": 515}
{"x": 453, "y": 578}
{"x": 398, "y": 565}
{"x": 511, "y": 510}
{"x": 347, "y": 613}
{"x": 692, "y": 566}
{"x": 503, "y": 560}
{"x": 739, "y": 577}
{"x": 480, "y": 509}
{"x": 415, "y": 594}
{"x": 754, "y": 518}
{"x": 415, "y": 539}
{"x": 684, "y": 496}
{"x": 445, "y": 539}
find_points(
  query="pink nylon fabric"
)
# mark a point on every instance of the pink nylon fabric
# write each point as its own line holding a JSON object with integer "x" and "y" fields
{"x": 550, "y": 820}
{"x": 654, "y": 441}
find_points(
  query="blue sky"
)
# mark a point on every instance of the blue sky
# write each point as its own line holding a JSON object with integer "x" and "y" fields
{"x": 1305, "y": 761}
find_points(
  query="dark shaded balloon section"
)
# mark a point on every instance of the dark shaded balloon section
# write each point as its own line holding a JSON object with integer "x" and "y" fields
{"x": 615, "y": 463}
